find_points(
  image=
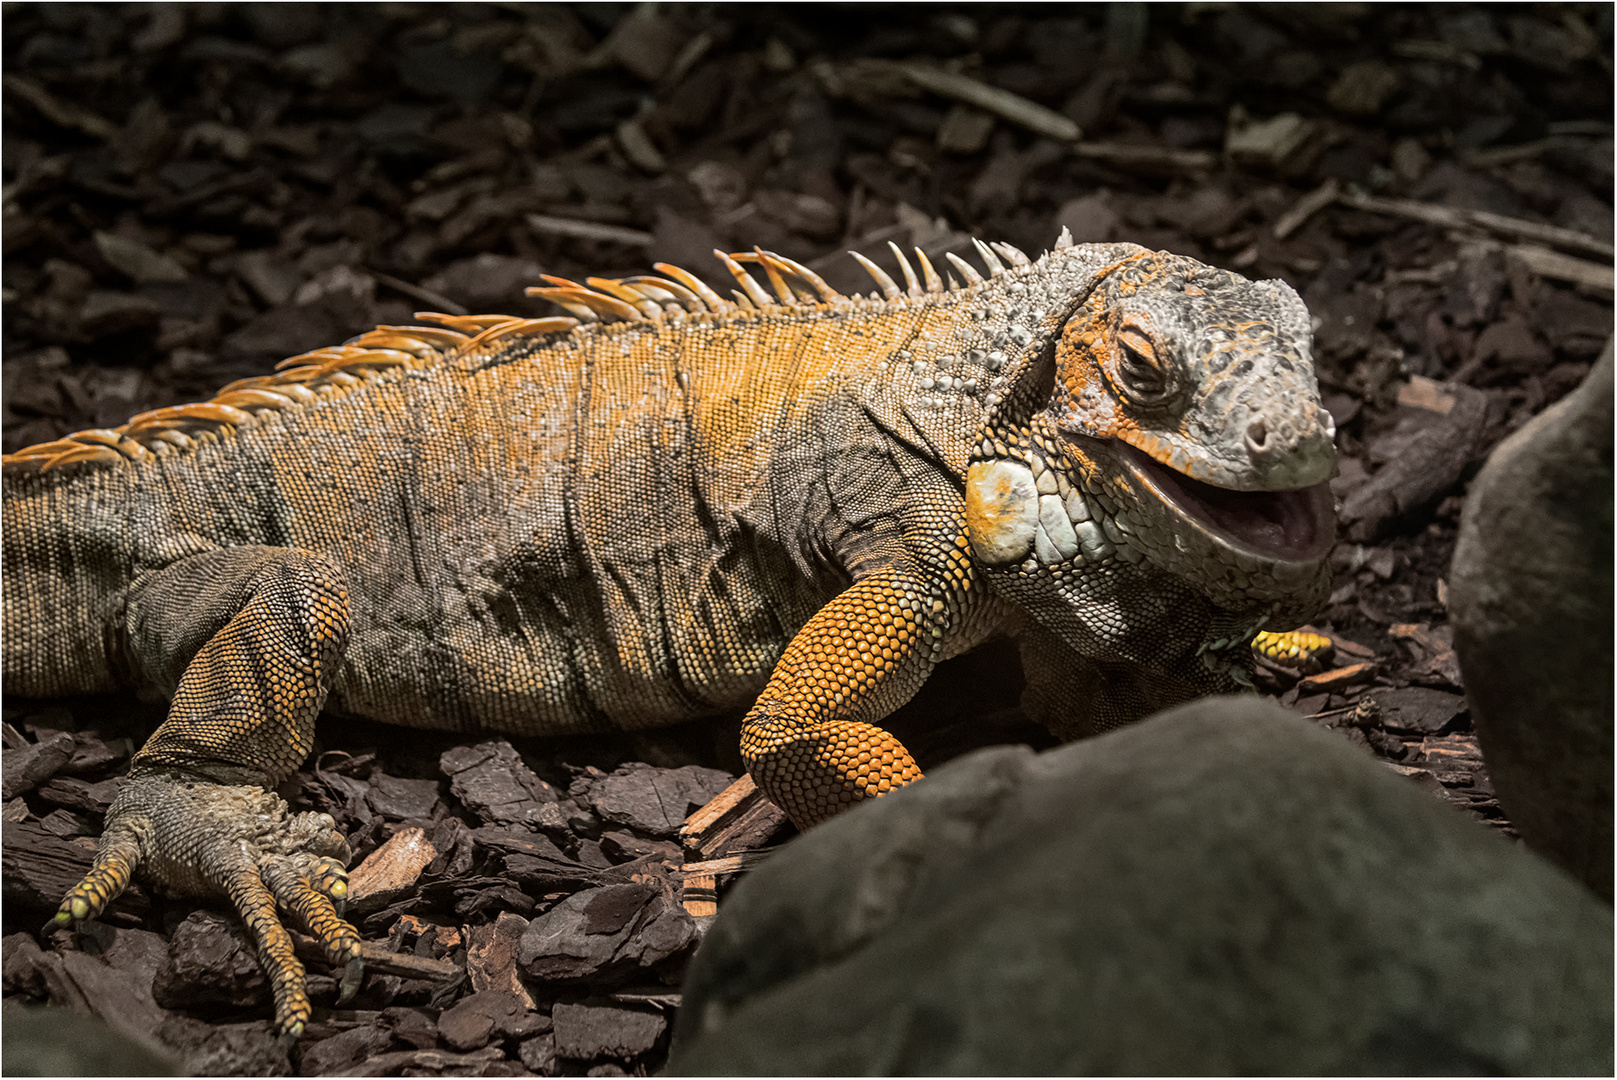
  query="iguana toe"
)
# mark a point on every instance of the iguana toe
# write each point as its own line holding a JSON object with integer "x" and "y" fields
{"x": 199, "y": 838}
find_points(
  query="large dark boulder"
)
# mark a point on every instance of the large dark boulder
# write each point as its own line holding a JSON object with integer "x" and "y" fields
{"x": 1531, "y": 598}
{"x": 1223, "y": 888}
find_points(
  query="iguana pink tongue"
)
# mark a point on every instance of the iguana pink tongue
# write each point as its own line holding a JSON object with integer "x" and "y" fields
{"x": 1296, "y": 526}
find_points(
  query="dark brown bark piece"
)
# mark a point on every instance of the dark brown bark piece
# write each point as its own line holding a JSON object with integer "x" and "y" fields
{"x": 652, "y": 800}
{"x": 591, "y": 1032}
{"x": 75, "y": 794}
{"x": 39, "y": 869}
{"x": 605, "y": 934}
{"x": 1424, "y": 470}
{"x": 401, "y": 799}
{"x": 492, "y": 781}
{"x": 210, "y": 964}
{"x": 1418, "y": 710}
{"x": 26, "y": 767}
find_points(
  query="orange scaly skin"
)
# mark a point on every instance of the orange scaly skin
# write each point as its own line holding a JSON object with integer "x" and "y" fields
{"x": 668, "y": 506}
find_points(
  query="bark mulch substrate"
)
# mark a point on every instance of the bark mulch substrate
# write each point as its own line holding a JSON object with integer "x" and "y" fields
{"x": 193, "y": 192}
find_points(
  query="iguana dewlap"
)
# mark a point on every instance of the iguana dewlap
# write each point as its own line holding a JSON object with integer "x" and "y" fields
{"x": 668, "y": 505}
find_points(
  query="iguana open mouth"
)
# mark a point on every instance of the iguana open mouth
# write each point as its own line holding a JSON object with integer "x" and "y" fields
{"x": 1294, "y": 526}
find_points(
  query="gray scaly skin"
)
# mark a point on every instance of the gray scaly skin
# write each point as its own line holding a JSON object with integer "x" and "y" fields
{"x": 666, "y": 506}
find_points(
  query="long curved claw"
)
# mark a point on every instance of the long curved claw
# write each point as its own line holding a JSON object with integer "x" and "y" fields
{"x": 352, "y": 974}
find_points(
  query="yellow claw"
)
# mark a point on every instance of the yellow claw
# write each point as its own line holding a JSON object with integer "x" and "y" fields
{"x": 64, "y": 918}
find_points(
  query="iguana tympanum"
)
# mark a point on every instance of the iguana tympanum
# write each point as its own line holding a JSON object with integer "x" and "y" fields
{"x": 666, "y": 505}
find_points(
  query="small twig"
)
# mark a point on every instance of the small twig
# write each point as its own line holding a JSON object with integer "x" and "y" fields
{"x": 62, "y": 113}
{"x": 1450, "y": 217}
{"x": 1156, "y": 158}
{"x": 381, "y": 962}
{"x": 1002, "y": 103}
{"x": 1552, "y": 264}
{"x": 588, "y": 230}
{"x": 1306, "y": 207}
{"x": 436, "y": 301}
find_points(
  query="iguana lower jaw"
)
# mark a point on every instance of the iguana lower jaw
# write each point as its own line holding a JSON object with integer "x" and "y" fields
{"x": 1295, "y": 526}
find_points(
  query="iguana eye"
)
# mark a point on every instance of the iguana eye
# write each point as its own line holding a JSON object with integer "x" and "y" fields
{"x": 1142, "y": 378}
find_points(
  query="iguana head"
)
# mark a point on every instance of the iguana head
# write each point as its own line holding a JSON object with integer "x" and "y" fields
{"x": 1172, "y": 424}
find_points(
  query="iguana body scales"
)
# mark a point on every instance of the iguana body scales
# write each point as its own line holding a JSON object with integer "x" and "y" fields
{"x": 666, "y": 506}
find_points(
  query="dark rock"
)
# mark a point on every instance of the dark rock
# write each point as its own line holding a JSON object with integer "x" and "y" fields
{"x": 492, "y": 781}
{"x": 24, "y": 964}
{"x": 272, "y": 279}
{"x": 603, "y": 933}
{"x": 45, "y": 1041}
{"x": 26, "y": 767}
{"x": 115, "y": 985}
{"x": 1208, "y": 891}
{"x": 210, "y": 964}
{"x": 1531, "y": 595}
{"x": 588, "y": 1032}
{"x": 209, "y": 1049}
{"x": 652, "y": 800}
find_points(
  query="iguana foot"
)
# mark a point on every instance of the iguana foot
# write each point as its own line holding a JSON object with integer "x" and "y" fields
{"x": 1300, "y": 649}
{"x": 198, "y": 838}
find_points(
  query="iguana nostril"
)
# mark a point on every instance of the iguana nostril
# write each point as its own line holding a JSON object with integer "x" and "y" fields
{"x": 1257, "y": 436}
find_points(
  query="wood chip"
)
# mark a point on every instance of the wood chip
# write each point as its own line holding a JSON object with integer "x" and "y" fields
{"x": 1002, "y": 103}
{"x": 391, "y": 869}
{"x": 700, "y": 895}
{"x": 730, "y": 864}
{"x": 1338, "y": 678}
{"x": 639, "y": 149}
{"x": 720, "y": 808}
{"x": 587, "y": 230}
{"x": 1423, "y": 393}
{"x": 739, "y": 818}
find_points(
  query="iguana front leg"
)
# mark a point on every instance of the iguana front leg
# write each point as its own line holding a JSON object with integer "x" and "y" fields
{"x": 248, "y": 638}
{"x": 811, "y": 742}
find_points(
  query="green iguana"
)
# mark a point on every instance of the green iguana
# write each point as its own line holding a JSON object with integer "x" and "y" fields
{"x": 667, "y": 505}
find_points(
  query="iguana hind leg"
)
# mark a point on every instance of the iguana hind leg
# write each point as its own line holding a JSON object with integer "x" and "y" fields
{"x": 809, "y": 742}
{"x": 248, "y": 639}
